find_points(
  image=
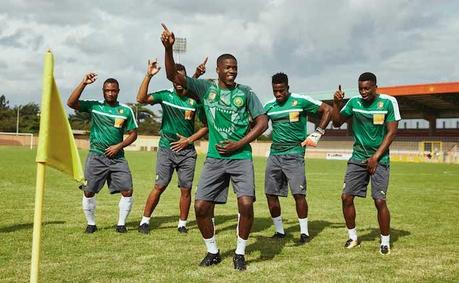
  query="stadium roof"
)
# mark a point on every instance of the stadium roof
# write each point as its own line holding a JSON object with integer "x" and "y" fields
{"x": 420, "y": 101}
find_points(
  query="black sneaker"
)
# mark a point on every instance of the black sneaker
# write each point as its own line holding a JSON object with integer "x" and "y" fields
{"x": 121, "y": 229}
{"x": 384, "y": 250}
{"x": 278, "y": 235}
{"x": 304, "y": 238}
{"x": 182, "y": 230}
{"x": 90, "y": 229}
{"x": 211, "y": 259}
{"x": 239, "y": 262}
{"x": 144, "y": 228}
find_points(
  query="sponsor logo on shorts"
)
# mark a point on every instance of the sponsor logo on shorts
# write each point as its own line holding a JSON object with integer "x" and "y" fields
{"x": 383, "y": 193}
{"x": 157, "y": 177}
{"x": 344, "y": 186}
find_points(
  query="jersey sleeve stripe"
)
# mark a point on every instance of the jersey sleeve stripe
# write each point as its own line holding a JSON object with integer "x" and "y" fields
{"x": 394, "y": 102}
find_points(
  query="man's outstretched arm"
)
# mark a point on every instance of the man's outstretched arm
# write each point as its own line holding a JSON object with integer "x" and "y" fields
{"x": 168, "y": 39}
{"x": 74, "y": 99}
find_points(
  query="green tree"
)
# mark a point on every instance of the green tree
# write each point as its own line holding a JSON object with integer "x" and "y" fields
{"x": 80, "y": 120}
{"x": 147, "y": 119}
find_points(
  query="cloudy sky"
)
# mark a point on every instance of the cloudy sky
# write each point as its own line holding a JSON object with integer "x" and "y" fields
{"x": 319, "y": 44}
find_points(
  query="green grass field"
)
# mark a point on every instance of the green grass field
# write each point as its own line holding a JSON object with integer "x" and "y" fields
{"x": 423, "y": 199}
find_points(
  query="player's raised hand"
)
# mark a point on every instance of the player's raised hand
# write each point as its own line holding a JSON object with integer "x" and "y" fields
{"x": 89, "y": 78}
{"x": 339, "y": 95}
{"x": 167, "y": 37}
{"x": 153, "y": 67}
{"x": 201, "y": 69}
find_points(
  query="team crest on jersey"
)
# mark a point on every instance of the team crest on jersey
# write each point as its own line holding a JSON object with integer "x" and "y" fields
{"x": 238, "y": 101}
{"x": 212, "y": 95}
{"x": 190, "y": 101}
{"x": 294, "y": 102}
{"x": 380, "y": 105}
{"x": 121, "y": 111}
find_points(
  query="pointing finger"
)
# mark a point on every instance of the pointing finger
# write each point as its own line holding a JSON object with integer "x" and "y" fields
{"x": 205, "y": 60}
{"x": 339, "y": 87}
{"x": 164, "y": 27}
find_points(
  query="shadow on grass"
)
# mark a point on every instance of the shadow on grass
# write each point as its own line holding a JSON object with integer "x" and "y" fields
{"x": 268, "y": 247}
{"x": 375, "y": 233}
{"x": 25, "y": 226}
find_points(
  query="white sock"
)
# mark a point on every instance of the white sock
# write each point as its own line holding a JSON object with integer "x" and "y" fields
{"x": 352, "y": 234}
{"x": 211, "y": 245}
{"x": 125, "y": 205}
{"x": 213, "y": 223}
{"x": 89, "y": 209}
{"x": 304, "y": 226}
{"x": 385, "y": 240}
{"x": 145, "y": 220}
{"x": 240, "y": 247}
{"x": 181, "y": 223}
{"x": 278, "y": 224}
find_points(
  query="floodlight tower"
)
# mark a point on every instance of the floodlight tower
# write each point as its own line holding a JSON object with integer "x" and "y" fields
{"x": 179, "y": 47}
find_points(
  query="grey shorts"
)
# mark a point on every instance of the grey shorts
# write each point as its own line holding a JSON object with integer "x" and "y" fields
{"x": 282, "y": 170}
{"x": 216, "y": 175}
{"x": 184, "y": 162}
{"x": 357, "y": 178}
{"x": 99, "y": 168}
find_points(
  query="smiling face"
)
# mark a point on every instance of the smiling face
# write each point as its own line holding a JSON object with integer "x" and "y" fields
{"x": 367, "y": 90}
{"x": 280, "y": 92}
{"x": 111, "y": 91}
{"x": 227, "y": 72}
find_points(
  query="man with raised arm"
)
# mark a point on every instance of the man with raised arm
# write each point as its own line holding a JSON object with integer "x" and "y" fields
{"x": 374, "y": 118}
{"x": 229, "y": 108}
{"x": 110, "y": 120}
{"x": 176, "y": 148}
{"x": 289, "y": 116}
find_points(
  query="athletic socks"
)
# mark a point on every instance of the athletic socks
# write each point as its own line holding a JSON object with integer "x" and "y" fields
{"x": 89, "y": 209}
{"x": 278, "y": 224}
{"x": 125, "y": 205}
{"x": 145, "y": 220}
{"x": 240, "y": 246}
{"x": 211, "y": 245}
{"x": 352, "y": 234}
{"x": 385, "y": 240}
{"x": 181, "y": 223}
{"x": 303, "y": 225}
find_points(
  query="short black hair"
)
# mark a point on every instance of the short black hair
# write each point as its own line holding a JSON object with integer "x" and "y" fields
{"x": 224, "y": 57}
{"x": 111, "y": 81}
{"x": 180, "y": 67}
{"x": 367, "y": 76}
{"x": 280, "y": 78}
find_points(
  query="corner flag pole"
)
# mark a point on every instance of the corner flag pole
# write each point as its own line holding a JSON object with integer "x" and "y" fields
{"x": 36, "y": 239}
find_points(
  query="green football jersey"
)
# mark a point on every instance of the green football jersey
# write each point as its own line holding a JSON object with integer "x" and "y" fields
{"x": 228, "y": 113}
{"x": 178, "y": 115}
{"x": 289, "y": 121}
{"x": 369, "y": 124}
{"x": 108, "y": 124}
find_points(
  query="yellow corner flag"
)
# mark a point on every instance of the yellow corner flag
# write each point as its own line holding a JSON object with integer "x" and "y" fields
{"x": 56, "y": 148}
{"x": 56, "y": 145}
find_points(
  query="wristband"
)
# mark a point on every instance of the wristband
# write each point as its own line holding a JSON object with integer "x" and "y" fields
{"x": 320, "y": 130}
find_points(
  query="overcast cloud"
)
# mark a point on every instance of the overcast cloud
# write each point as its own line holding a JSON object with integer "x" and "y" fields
{"x": 319, "y": 44}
